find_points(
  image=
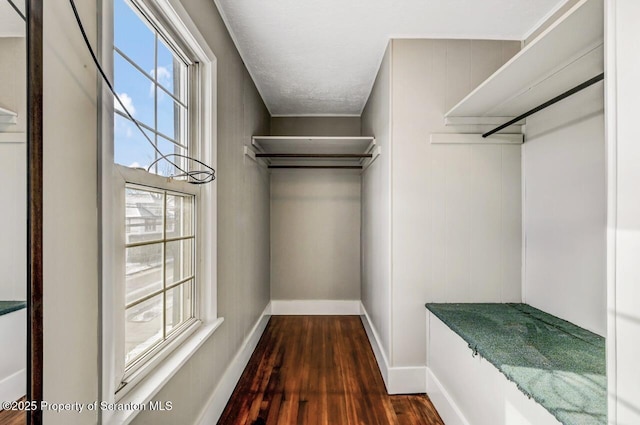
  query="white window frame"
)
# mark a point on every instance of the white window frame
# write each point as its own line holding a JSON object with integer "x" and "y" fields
{"x": 145, "y": 381}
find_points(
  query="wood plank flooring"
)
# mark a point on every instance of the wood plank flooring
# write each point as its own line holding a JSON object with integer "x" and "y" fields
{"x": 13, "y": 417}
{"x": 319, "y": 370}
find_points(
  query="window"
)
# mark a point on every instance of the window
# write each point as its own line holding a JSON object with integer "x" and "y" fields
{"x": 160, "y": 268}
{"x": 153, "y": 78}
{"x": 158, "y": 233}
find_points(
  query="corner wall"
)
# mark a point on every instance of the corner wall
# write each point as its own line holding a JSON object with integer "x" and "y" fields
{"x": 376, "y": 208}
{"x": 441, "y": 222}
{"x": 456, "y": 208}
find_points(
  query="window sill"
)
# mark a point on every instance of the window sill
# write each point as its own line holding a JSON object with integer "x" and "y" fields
{"x": 145, "y": 390}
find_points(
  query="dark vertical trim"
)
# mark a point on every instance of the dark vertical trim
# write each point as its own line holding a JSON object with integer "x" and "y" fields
{"x": 34, "y": 207}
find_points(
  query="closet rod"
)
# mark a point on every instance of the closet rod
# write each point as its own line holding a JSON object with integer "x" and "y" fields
{"x": 346, "y": 167}
{"x": 314, "y": 155}
{"x": 18, "y": 11}
{"x": 548, "y": 103}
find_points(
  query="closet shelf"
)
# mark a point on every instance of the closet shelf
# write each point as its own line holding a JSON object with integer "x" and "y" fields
{"x": 7, "y": 116}
{"x": 565, "y": 55}
{"x": 314, "y": 151}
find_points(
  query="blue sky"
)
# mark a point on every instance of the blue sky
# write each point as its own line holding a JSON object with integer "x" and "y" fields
{"x": 138, "y": 92}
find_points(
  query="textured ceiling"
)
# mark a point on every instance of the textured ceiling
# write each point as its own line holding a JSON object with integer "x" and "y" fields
{"x": 11, "y": 24}
{"x": 320, "y": 57}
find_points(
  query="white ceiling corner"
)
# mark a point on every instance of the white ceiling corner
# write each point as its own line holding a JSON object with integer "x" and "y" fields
{"x": 321, "y": 57}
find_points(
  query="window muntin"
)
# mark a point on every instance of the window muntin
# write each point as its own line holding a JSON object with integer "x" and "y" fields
{"x": 160, "y": 267}
{"x": 152, "y": 79}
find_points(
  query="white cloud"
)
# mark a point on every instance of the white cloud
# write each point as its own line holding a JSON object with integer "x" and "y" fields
{"x": 135, "y": 164}
{"x": 128, "y": 103}
{"x": 164, "y": 78}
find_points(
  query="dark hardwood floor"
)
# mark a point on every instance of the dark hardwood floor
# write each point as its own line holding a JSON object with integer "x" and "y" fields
{"x": 13, "y": 417}
{"x": 319, "y": 370}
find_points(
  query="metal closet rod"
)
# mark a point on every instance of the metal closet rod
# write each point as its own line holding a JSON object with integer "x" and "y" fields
{"x": 548, "y": 103}
{"x": 18, "y": 11}
{"x": 314, "y": 155}
{"x": 345, "y": 167}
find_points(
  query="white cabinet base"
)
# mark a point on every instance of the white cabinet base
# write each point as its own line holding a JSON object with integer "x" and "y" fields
{"x": 469, "y": 390}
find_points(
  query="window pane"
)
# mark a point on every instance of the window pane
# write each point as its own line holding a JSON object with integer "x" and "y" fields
{"x": 131, "y": 148}
{"x": 143, "y": 220}
{"x": 171, "y": 71}
{"x": 179, "y": 216}
{"x": 179, "y": 305}
{"x": 133, "y": 35}
{"x": 168, "y": 147}
{"x": 179, "y": 260}
{"x": 136, "y": 91}
{"x": 171, "y": 117}
{"x": 144, "y": 271}
{"x": 143, "y": 327}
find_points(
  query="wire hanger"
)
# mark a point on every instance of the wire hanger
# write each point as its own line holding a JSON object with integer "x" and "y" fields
{"x": 207, "y": 175}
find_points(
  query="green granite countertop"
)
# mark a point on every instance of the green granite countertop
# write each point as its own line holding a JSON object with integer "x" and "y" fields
{"x": 7, "y": 307}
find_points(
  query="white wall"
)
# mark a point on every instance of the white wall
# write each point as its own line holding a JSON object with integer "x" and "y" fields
{"x": 70, "y": 208}
{"x": 476, "y": 227}
{"x": 623, "y": 174}
{"x": 315, "y": 235}
{"x": 13, "y": 356}
{"x": 376, "y": 208}
{"x": 13, "y": 221}
{"x": 315, "y": 221}
{"x": 456, "y": 208}
{"x": 13, "y": 81}
{"x": 13, "y": 172}
{"x": 565, "y": 210}
{"x": 71, "y": 226}
{"x": 315, "y": 126}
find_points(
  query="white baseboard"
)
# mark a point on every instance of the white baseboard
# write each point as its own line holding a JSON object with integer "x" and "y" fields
{"x": 216, "y": 404}
{"x": 315, "y": 307}
{"x": 374, "y": 340}
{"x": 442, "y": 401}
{"x": 407, "y": 380}
{"x": 14, "y": 387}
{"x": 398, "y": 380}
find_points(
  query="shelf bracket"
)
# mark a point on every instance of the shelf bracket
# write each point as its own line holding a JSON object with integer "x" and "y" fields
{"x": 8, "y": 117}
{"x": 375, "y": 153}
{"x": 252, "y": 155}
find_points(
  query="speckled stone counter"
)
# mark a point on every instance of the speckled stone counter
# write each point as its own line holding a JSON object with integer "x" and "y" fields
{"x": 557, "y": 363}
